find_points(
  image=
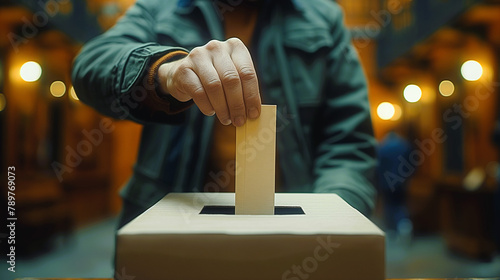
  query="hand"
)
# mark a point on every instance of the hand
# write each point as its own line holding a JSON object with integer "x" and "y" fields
{"x": 219, "y": 77}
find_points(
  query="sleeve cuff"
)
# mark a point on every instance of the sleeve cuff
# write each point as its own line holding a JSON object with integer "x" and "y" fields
{"x": 157, "y": 101}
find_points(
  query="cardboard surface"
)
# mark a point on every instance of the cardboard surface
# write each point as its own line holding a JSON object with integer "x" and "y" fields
{"x": 255, "y": 164}
{"x": 172, "y": 240}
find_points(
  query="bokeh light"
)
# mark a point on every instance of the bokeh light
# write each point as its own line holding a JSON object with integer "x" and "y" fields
{"x": 72, "y": 93}
{"x": 3, "y": 102}
{"x": 412, "y": 93}
{"x": 57, "y": 89}
{"x": 472, "y": 70}
{"x": 398, "y": 112}
{"x": 446, "y": 88}
{"x": 385, "y": 111}
{"x": 30, "y": 71}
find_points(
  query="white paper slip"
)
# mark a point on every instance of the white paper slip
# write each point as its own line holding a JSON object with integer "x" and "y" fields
{"x": 255, "y": 164}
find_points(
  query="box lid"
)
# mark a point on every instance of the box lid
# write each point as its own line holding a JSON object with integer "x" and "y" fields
{"x": 178, "y": 213}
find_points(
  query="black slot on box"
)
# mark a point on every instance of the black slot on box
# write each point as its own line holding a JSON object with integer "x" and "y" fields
{"x": 229, "y": 210}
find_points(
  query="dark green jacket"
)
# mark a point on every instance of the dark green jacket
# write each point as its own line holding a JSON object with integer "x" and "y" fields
{"x": 305, "y": 64}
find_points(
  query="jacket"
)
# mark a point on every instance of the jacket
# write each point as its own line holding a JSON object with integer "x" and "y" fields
{"x": 306, "y": 66}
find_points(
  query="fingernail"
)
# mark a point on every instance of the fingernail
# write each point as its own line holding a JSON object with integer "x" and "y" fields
{"x": 253, "y": 113}
{"x": 211, "y": 113}
{"x": 226, "y": 122}
{"x": 239, "y": 121}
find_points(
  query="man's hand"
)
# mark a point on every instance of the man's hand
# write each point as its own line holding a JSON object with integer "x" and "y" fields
{"x": 219, "y": 77}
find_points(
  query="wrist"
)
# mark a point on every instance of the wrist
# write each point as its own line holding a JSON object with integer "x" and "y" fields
{"x": 161, "y": 78}
{"x": 158, "y": 98}
{"x": 164, "y": 78}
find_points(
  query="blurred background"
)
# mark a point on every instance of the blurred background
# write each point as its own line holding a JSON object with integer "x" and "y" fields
{"x": 432, "y": 67}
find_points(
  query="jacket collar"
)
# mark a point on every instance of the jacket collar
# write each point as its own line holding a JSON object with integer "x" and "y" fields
{"x": 186, "y": 6}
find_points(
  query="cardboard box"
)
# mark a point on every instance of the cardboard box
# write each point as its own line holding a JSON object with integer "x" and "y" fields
{"x": 172, "y": 240}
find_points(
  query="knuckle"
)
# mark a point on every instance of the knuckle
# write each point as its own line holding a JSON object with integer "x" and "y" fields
{"x": 182, "y": 74}
{"x": 234, "y": 41}
{"x": 198, "y": 92}
{"x": 182, "y": 70}
{"x": 247, "y": 73}
{"x": 231, "y": 78}
{"x": 196, "y": 52}
{"x": 213, "y": 45}
{"x": 213, "y": 85}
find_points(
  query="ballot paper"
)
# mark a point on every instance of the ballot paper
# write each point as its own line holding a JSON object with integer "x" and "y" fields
{"x": 255, "y": 164}
{"x": 172, "y": 240}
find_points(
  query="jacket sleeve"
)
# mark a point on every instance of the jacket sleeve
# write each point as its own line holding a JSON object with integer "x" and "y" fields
{"x": 115, "y": 72}
{"x": 345, "y": 150}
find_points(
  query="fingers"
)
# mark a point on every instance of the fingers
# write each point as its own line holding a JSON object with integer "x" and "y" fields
{"x": 249, "y": 83}
{"x": 185, "y": 85}
{"x": 204, "y": 67}
{"x": 231, "y": 84}
{"x": 194, "y": 86}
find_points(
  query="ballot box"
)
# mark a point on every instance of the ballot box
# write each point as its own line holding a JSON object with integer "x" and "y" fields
{"x": 197, "y": 236}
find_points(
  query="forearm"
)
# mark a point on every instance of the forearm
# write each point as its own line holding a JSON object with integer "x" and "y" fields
{"x": 113, "y": 72}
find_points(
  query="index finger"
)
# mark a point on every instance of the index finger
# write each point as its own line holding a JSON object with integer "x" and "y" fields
{"x": 248, "y": 76}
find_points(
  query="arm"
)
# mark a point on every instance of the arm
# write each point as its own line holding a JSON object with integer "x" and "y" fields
{"x": 112, "y": 73}
{"x": 125, "y": 74}
{"x": 345, "y": 153}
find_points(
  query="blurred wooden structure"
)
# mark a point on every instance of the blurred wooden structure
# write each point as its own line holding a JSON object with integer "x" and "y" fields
{"x": 39, "y": 130}
{"x": 410, "y": 40}
{"x": 466, "y": 220}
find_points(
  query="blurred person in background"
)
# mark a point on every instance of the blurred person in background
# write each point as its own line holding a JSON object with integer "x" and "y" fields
{"x": 173, "y": 65}
{"x": 393, "y": 151}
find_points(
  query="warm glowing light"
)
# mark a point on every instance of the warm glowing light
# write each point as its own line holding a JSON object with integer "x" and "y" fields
{"x": 412, "y": 93}
{"x": 3, "y": 102}
{"x": 57, "y": 89}
{"x": 72, "y": 93}
{"x": 472, "y": 70}
{"x": 30, "y": 71}
{"x": 446, "y": 88}
{"x": 397, "y": 113}
{"x": 385, "y": 110}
